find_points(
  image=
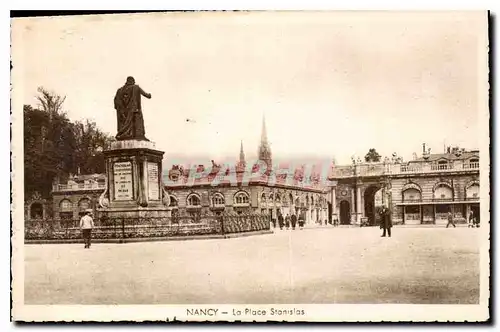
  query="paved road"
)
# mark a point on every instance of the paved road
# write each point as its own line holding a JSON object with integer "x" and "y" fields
{"x": 319, "y": 265}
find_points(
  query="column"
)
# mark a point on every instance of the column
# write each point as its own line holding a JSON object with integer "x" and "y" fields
{"x": 334, "y": 202}
{"x": 353, "y": 207}
{"x": 358, "y": 204}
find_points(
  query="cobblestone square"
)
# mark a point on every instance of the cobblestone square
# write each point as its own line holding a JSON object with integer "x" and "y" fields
{"x": 431, "y": 265}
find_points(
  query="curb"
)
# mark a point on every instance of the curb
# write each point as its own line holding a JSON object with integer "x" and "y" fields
{"x": 154, "y": 239}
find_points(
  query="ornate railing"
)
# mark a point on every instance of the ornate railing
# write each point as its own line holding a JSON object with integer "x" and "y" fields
{"x": 380, "y": 169}
{"x": 78, "y": 186}
{"x": 125, "y": 228}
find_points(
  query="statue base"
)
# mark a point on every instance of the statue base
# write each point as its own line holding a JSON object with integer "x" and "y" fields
{"x": 134, "y": 181}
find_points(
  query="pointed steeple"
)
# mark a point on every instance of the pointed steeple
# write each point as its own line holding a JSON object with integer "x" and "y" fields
{"x": 242, "y": 154}
{"x": 264, "y": 148}
{"x": 263, "y": 137}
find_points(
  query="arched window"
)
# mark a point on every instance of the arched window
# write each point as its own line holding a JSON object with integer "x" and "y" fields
{"x": 443, "y": 191}
{"x": 84, "y": 204}
{"x": 193, "y": 200}
{"x": 312, "y": 200}
{"x": 263, "y": 197}
{"x": 271, "y": 197}
{"x": 411, "y": 194}
{"x": 474, "y": 163}
{"x": 278, "y": 198}
{"x": 218, "y": 199}
{"x": 241, "y": 198}
{"x": 443, "y": 164}
{"x": 65, "y": 205}
{"x": 472, "y": 191}
{"x": 290, "y": 198}
{"x": 36, "y": 211}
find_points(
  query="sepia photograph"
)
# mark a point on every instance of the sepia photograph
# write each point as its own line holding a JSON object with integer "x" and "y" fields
{"x": 253, "y": 166}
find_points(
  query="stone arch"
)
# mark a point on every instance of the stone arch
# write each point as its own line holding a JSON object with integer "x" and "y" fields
{"x": 411, "y": 192}
{"x": 37, "y": 210}
{"x": 443, "y": 190}
{"x": 193, "y": 200}
{"x": 84, "y": 203}
{"x": 174, "y": 202}
{"x": 241, "y": 198}
{"x": 65, "y": 205}
{"x": 218, "y": 199}
{"x": 263, "y": 197}
{"x": 472, "y": 189}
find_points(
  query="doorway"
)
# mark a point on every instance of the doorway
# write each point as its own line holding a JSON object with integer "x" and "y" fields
{"x": 345, "y": 213}
{"x": 370, "y": 204}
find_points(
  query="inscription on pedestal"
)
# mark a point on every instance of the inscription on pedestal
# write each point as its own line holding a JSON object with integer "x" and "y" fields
{"x": 153, "y": 183}
{"x": 122, "y": 173}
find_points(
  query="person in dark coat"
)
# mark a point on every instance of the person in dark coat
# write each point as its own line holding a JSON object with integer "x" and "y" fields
{"x": 280, "y": 220}
{"x": 386, "y": 221}
{"x": 301, "y": 223}
{"x": 450, "y": 220}
{"x": 294, "y": 221}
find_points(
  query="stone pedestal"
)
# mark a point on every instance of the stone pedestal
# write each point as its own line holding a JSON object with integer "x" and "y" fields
{"x": 134, "y": 181}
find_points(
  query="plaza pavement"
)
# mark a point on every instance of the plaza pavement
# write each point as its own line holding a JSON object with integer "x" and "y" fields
{"x": 316, "y": 265}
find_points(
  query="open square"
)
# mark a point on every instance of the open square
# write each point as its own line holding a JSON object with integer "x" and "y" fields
{"x": 422, "y": 265}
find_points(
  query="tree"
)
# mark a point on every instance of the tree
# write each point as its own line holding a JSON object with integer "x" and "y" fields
{"x": 91, "y": 142}
{"x": 54, "y": 147}
{"x": 48, "y": 147}
{"x": 372, "y": 156}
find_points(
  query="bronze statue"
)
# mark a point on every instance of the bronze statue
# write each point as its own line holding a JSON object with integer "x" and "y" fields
{"x": 129, "y": 111}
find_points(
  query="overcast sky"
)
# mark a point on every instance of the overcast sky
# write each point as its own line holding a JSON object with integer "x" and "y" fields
{"x": 329, "y": 84}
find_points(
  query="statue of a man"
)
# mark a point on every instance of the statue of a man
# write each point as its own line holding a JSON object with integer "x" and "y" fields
{"x": 129, "y": 111}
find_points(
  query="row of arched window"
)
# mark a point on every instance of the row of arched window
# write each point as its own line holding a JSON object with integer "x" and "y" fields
{"x": 217, "y": 199}
{"x": 66, "y": 205}
{"x": 277, "y": 198}
{"x": 442, "y": 190}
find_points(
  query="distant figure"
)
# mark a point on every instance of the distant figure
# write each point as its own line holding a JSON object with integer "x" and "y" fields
{"x": 301, "y": 223}
{"x": 129, "y": 111}
{"x": 286, "y": 221}
{"x": 386, "y": 222}
{"x": 450, "y": 220}
{"x": 86, "y": 225}
{"x": 280, "y": 221}
{"x": 294, "y": 221}
{"x": 471, "y": 219}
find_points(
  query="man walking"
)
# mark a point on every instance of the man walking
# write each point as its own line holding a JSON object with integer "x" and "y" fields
{"x": 294, "y": 221}
{"x": 386, "y": 222}
{"x": 280, "y": 220}
{"x": 450, "y": 220}
{"x": 86, "y": 225}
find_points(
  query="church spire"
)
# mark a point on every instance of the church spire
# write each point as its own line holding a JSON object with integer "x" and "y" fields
{"x": 242, "y": 154}
{"x": 263, "y": 137}
{"x": 264, "y": 148}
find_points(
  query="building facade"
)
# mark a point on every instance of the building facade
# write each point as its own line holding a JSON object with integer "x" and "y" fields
{"x": 421, "y": 191}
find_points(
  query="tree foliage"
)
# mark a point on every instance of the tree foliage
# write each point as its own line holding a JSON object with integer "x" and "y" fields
{"x": 55, "y": 147}
{"x": 372, "y": 156}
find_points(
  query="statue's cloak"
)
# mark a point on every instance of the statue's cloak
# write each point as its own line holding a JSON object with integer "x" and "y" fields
{"x": 129, "y": 112}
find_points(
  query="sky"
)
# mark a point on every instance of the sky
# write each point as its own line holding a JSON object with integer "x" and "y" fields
{"x": 330, "y": 84}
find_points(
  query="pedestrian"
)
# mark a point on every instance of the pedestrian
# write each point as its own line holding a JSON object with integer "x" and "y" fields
{"x": 280, "y": 220}
{"x": 301, "y": 223}
{"x": 294, "y": 221}
{"x": 471, "y": 219}
{"x": 450, "y": 220}
{"x": 287, "y": 221}
{"x": 86, "y": 225}
{"x": 386, "y": 221}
